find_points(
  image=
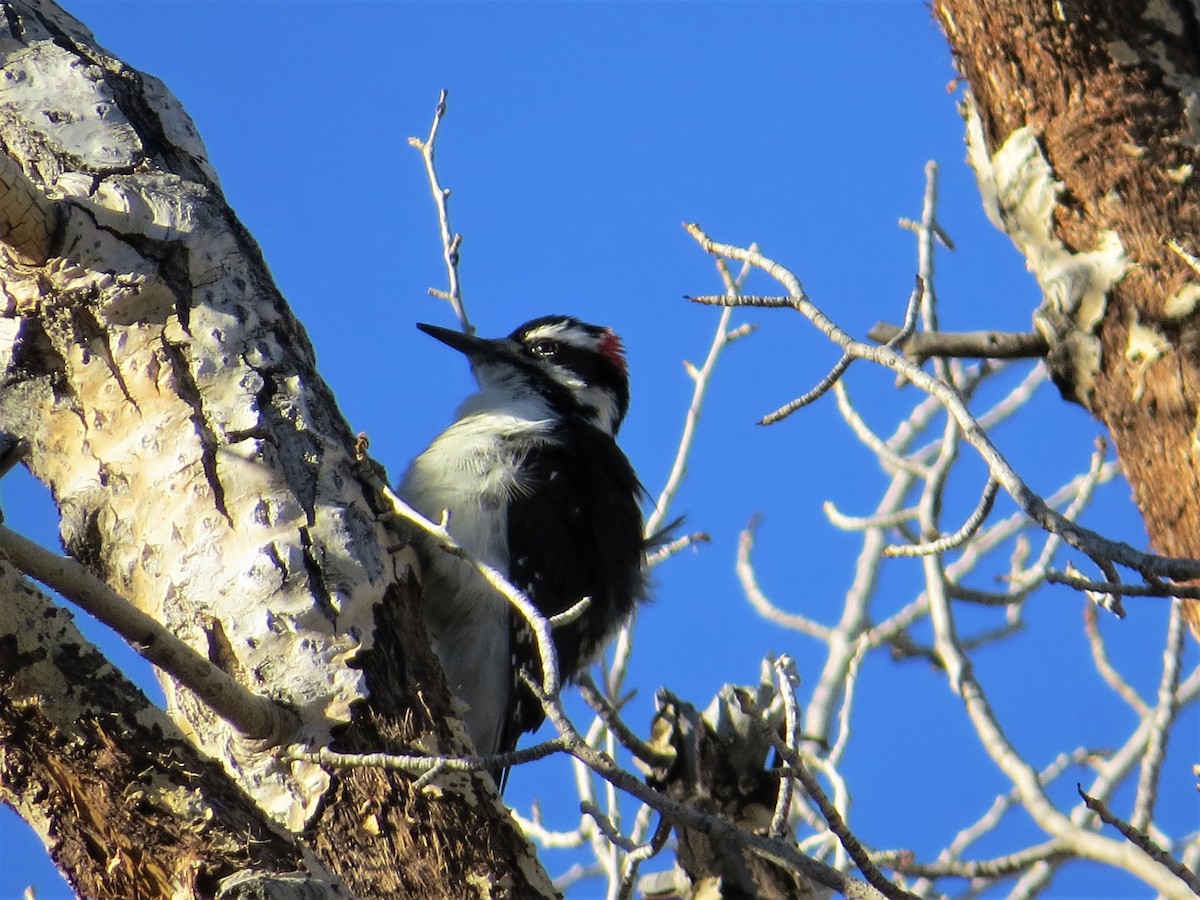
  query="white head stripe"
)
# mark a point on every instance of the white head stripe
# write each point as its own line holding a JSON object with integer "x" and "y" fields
{"x": 563, "y": 331}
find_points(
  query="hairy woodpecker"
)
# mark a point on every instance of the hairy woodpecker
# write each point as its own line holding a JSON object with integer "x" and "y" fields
{"x": 536, "y": 486}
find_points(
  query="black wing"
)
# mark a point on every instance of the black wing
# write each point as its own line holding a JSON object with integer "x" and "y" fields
{"x": 575, "y": 532}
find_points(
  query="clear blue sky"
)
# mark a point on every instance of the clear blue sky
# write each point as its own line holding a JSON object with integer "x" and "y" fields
{"x": 579, "y": 137}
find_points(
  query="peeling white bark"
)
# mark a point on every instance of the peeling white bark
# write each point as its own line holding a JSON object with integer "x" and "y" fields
{"x": 186, "y": 435}
{"x": 1020, "y": 194}
{"x": 1146, "y": 346}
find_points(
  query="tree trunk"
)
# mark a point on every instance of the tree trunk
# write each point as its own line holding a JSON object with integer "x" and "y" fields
{"x": 203, "y": 470}
{"x": 1084, "y": 137}
{"x": 125, "y": 805}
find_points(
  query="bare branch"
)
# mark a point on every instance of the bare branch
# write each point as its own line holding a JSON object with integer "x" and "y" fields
{"x": 1121, "y": 589}
{"x": 1080, "y": 490}
{"x": 613, "y": 721}
{"x": 538, "y": 624}
{"x": 1106, "y": 670}
{"x": 786, "y": 679}
{"x": 1095, "y": 545}
{"x": 925, "y": 231}
{"x": 1012, "y": 864}
{"x": 1164, "y": 717}
{"x": 839, "y": 519}
{"x": 421, "y": 763}
{"x": 818, "y": 391}
{"x": 938, "y": 232}
{"x": 832, "y": 817}
{"x": 741, "y": 299}
{"x": 607, "y": 828}
{"x": 701, "y": 379}
{"x": 834, "y": 375}
{"x": 441, "y": 197}
{"x": 558, "y": 840}
{"x": 838, "y": 750}
{"x": 666, "y": 551}
{"x": 762, "y": 605}
{"x": 640, "y": 854}
{"x": 1141, "y": 840}
{"x": 950, "y": 388}
{"x": 569, "y": 615}
{"x": 258, "y": 718}
{"x": 881, "y": 448}
{"x": 963, "y": 345}
{"x": 960, "y": 537}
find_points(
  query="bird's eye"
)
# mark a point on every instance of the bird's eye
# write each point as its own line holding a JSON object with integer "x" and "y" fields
{"x": 543, "y": 348}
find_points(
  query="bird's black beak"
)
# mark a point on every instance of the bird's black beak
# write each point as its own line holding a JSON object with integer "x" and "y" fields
{"x": 472, "y": 346}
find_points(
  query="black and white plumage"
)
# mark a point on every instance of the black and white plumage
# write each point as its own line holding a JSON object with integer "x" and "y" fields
{"x": 537, "y": 487}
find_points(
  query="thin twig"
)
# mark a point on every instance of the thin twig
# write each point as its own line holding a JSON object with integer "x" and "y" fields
{"x": 831, "y": 815}
{"x": 956, "y": 591}
{"x": 925, "y": 253}
{"x": 758, "y": 599}
{"x": 613, "y": 721}
{"x": 861, "y": 523}
{"x": 1165, "y": 712}
{"x": 533, "y": 828}
{"x": 1080, "y": 490}
{"x": 881, "y": 448}
{"x": 665, "y": 551}
{"x": 938, "y": 231}
{"x": 441, "y": 198}
{"x": 421, "y": 763}
{"x": 922, "y": 285}
{"x": 838, "y": 750}
{"x": 834, "y": 375}
{"x": 817, "y": 391}
{"x": 1148, "y": 564}
{"x": 607, "y": 828}
{"x": 538, "y": 624}
{"x": 960, "y": 537}
{"x": 964, "y": 345}
{"x": 701, "y": 379}
{"x": 1141, "y": 840}
{"x": 569, "y": 615}
{"x": 258, "y": 718}
{"x": 1000, "y": 867}
{"x": 638, "y": 855}
{"x": 756, "y": 300}
{"x": 787, "y": 678}
{"x": 1161, "y": 589}
{"x": 1105, "y": 668}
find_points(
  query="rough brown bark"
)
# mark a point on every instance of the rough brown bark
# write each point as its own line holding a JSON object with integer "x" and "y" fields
{"x": 127, "y": 807}
{"x": 723, "y": 774}
{"x": 201, "y": 467}
{"x": 1105, "y": 89}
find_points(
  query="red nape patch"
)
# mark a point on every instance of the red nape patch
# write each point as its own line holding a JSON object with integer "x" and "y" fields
{"x": 613, "y": 350}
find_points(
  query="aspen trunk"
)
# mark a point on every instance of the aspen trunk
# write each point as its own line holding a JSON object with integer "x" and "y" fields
{"x": 201, "y": 467}
{"x": 1084, "y": 136}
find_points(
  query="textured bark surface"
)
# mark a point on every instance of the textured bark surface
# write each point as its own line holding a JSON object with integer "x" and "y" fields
{"x": 1109, "y": 90}
{"x": 202, "y": 468}
{"x": 124, "y": 804}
